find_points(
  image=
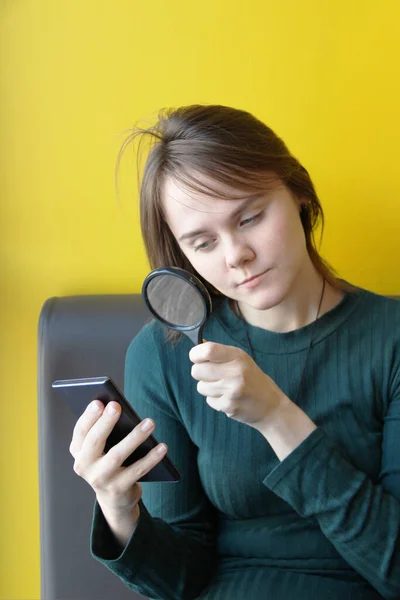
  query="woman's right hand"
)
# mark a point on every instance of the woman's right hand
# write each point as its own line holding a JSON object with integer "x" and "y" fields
{"x": 117, "y": 489}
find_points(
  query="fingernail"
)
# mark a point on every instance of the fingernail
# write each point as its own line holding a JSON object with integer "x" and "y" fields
{"x": 111, "y": 410}
{"x": 161, "y": 449}
{"x": 146, "y": 425}
{"x": 94, "y": 407}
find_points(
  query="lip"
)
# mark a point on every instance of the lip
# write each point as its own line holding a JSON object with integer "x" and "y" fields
{"x": 253, "y": 281}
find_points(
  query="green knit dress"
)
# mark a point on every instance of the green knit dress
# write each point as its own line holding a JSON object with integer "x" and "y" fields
{"x": 240, "y": 525}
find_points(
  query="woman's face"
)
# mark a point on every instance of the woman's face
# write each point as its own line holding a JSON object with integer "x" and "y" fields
{"x": 230, "y": 241}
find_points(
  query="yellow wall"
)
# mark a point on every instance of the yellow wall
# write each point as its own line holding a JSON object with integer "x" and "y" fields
{"x": 75, "y": 73}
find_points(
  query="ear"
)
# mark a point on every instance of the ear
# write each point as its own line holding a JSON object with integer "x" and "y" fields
{"x": 300, "y": 200}
{"x": 304, "y": 213}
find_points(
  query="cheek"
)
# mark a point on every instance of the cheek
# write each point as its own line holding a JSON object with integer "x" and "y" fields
{"x": 209, "y": 269}
{"x": 285, "y": 236}
{"x": 206, "y": 267}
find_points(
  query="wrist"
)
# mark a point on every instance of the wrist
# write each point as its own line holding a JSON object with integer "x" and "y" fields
{"x": 280, "y": 408}
{"x": 286, "y": 428}
{"x": 122, "y": 523}
{"x": 118, "y": 514}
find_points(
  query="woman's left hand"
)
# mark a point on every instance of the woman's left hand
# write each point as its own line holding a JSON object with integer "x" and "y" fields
{"x": 234, "y": 384}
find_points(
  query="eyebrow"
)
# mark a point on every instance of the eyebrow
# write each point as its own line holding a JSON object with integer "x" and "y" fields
{"x": 236, "y": 212}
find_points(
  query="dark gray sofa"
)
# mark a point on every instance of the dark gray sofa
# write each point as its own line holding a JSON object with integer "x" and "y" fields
{"x": 79, "y": 336}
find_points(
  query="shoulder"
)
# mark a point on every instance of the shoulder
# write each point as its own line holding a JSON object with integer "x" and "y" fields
{"x": 383, "y": 311}
{"x": 151, "y": 344}
{"x": 362, "y": 317}
{"x": 146, "y": 337}
{"x": 375, "y": 327}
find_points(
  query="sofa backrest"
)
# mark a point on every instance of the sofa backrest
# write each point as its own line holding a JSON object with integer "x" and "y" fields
{"x": 79, "y": 336}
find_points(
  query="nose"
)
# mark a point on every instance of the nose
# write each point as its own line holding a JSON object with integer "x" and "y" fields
{"x": 238, "y": 252}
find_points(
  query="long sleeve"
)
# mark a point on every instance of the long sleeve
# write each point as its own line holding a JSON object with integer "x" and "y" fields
{"x": 171, "y": 552}
{"x": 360, "y": 518}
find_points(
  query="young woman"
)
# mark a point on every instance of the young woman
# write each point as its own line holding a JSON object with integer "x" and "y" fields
{"x": 284, "y": 423}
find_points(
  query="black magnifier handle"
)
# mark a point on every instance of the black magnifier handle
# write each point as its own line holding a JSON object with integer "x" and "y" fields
{"x": 195, "y": 335}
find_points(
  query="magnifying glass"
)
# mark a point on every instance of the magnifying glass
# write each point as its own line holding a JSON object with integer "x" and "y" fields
{"x": 179, "y": 300}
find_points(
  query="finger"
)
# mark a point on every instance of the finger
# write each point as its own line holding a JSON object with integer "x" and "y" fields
{"x": 208, "y": 371}
{"x": 141, "y": 467}
{"x": 213, "y": 352}
{"x": 220, "y": 406}
{"x": 83, "y": 425}
{"x": 214, "y": 389}
{"x": 96, "y": 438}
{"x": 121, "y": 451}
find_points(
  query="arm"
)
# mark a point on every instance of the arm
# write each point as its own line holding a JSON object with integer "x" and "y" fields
{"x": 121, "y": 526}
{"x": 361, "y": 519}
{"x": 170, "y": 553}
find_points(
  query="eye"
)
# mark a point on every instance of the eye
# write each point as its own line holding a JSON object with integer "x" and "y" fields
{"x": 202, "y": 246}
{"x": 251, "y": 219}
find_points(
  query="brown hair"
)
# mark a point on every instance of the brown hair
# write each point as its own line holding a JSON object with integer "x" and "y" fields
{"x": 230, "y": 146}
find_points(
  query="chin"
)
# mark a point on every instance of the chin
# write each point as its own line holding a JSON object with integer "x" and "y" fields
{"x": 265, "y": 299}
{"x": 264, "y": 305}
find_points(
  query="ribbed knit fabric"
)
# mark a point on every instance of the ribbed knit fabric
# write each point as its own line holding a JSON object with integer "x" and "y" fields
{"x": 240, "y": 525}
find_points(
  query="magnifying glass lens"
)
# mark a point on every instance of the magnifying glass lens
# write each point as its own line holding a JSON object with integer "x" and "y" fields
{"x": 178, "y": 299}
{"x": 175, "y": 301}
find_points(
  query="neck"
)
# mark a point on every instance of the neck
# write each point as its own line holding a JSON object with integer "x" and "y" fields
{"x": 298, "y": 308}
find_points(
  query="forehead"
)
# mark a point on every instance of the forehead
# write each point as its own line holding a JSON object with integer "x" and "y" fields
{"x": 180, "y": 202}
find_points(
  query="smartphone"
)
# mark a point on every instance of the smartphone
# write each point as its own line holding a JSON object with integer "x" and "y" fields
{"x": 78, "y": 393}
